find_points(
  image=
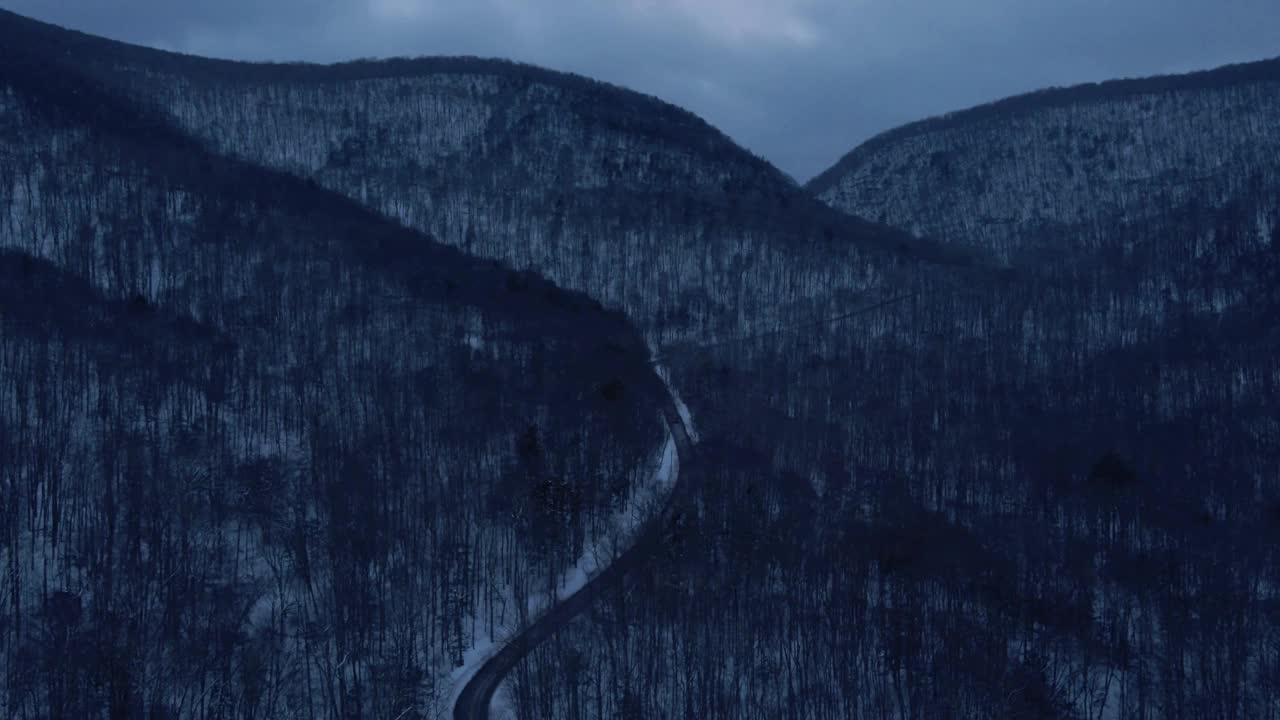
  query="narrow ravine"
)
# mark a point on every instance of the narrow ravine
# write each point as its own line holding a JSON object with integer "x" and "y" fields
{"x": 474, "y": 700}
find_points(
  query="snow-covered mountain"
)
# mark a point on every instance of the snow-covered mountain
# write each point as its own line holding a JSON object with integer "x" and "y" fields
{"x": 639, "y": 203}
{"x": 1054, "y": 173}
{"x": 315, "y": 358}
{"x": 249, "y": 429}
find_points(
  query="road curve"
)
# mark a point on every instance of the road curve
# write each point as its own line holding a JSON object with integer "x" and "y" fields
{"x": 473, "y": 701}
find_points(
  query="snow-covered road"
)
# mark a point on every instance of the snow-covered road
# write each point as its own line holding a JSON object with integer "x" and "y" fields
{"x": 473, "y": 686}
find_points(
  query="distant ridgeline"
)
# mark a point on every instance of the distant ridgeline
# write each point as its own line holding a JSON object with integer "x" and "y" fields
{"x": 601, "y": 189}
{"x": 1046, "y": 175}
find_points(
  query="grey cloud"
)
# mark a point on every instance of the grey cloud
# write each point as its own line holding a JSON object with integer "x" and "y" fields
{"x": 797, "y": 81}
{"x": 170, "y": 23}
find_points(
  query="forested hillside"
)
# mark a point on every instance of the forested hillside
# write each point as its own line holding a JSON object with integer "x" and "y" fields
{"x": 1054, "y": 173}
{"x": 933, "y": 488}
{"x": 638, "y": 203}
{"x": 263, "y": 453}
{"x": 1044, "y": 493}
{"x": 977, "y": 506}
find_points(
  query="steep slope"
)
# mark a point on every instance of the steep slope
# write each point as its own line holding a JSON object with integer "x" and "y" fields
{"x": 1037, "y": 495}
{"x": 1055, "y": 172}
{"x": 638, "y": 203}
{"x": 1034, "y": 493}
{"x": 264, "y": 452}
{"x": 1123, "y": 373}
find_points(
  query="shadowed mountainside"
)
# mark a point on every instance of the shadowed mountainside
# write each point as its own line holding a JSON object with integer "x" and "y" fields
{"x": 265, "y": 452}
{"x": 641, "y": 204}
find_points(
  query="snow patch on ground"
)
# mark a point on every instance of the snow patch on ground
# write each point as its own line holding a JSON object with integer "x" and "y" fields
{"x": 665, "y": 375}
{"x": 685, "y": 415}
{"x": 472, "y": 660}
{"x": 502, "y": 707}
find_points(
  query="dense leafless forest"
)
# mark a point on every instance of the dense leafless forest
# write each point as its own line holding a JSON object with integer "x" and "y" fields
{"x": 313, "y": 379}
{"x": 265, "y": 452}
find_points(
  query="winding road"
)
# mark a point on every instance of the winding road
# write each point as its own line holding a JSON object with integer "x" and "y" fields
{"x": 473, "y": 702}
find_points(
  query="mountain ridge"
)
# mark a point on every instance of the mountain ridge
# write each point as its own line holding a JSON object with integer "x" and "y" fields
{"x": 369, "y": 69}
{"x": 1049, "y": 178}
{"x": 1242, "y": 72}
{"x": 571, "y": 179}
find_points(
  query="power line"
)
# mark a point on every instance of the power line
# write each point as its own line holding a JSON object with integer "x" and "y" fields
{"x": 794, "y": 328}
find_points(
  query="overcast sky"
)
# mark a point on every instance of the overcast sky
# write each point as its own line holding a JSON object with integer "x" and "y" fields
{"x": 798, "y": 81}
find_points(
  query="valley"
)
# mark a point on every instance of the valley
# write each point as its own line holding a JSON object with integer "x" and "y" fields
{"x": 316, "y": 380}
